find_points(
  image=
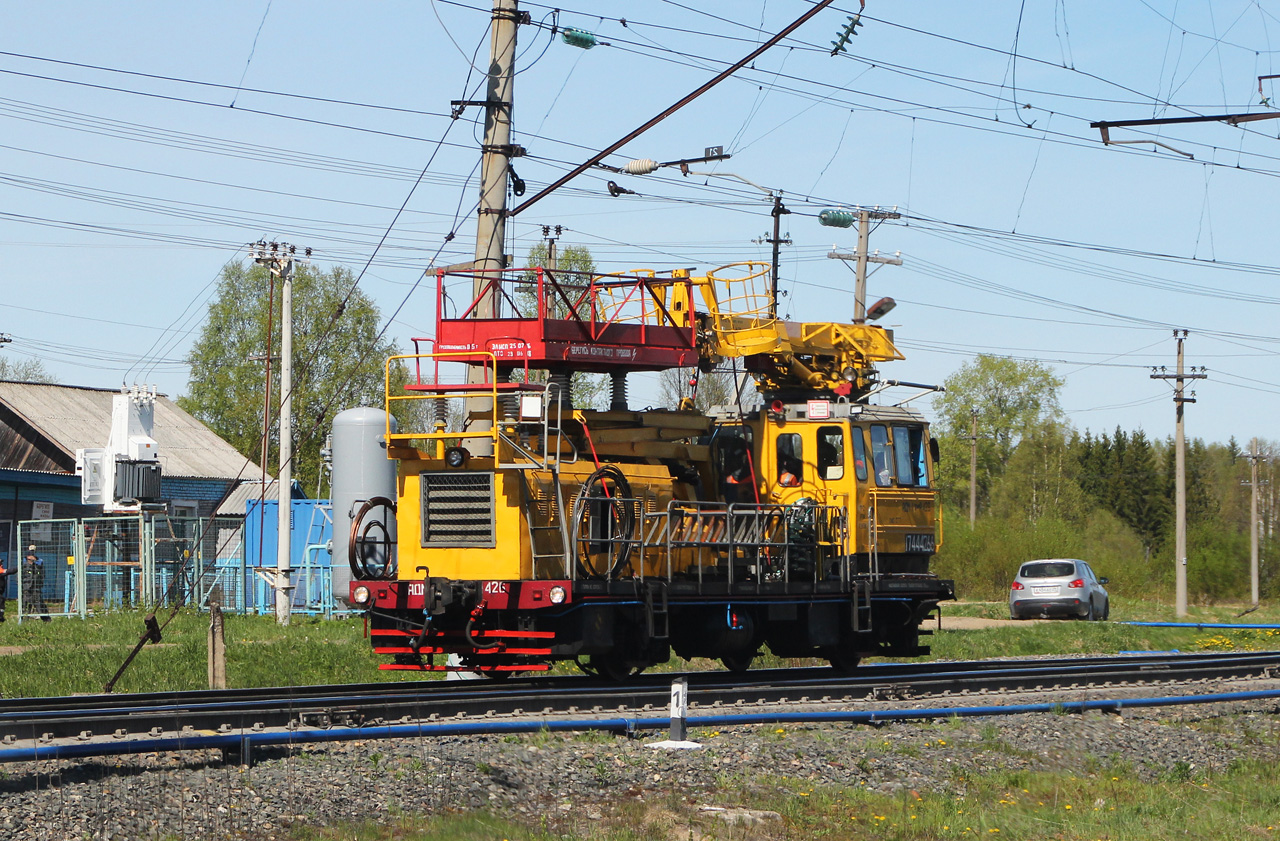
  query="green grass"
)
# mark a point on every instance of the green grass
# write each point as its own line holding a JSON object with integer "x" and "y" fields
{"x": 1105, "y": 803}
{"x": 71, "y": 656}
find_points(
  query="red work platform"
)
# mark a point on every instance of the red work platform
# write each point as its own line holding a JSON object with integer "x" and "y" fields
{"x": 557, "y": 319}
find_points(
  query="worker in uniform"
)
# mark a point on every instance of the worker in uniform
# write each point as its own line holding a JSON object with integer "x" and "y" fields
{"x": 4, "y": 585}
{"x": 33, "y": 585}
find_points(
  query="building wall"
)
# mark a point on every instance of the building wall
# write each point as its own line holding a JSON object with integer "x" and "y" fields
{"x": 206, "y": 493}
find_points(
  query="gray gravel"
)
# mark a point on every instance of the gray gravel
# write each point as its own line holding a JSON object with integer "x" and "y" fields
{"x": 566, "y": 781}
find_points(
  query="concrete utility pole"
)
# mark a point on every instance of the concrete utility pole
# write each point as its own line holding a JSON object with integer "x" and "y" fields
{"x": 279, "y": 261}
{"x": 495, "y": 166}
{"x": 552, "y": 257}
{"x": 1254, "y": 458}
{"x": 973, "y": 467}
{"x": 1180, "y": 469}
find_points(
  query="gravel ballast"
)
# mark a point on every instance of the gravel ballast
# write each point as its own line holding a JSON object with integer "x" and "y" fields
{"x": 567, "y": 780}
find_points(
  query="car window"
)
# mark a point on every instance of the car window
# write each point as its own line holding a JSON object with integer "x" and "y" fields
{"x": 1055, "y": 569}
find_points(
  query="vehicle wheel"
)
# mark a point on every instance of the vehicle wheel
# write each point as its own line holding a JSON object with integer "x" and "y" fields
{"x": 738, "y": 662}
{"x": 611, "y": 667}
{"x": 1106, "y": 610}
{"x": 843, "y": 662}
{"x": 1088, "y": 616}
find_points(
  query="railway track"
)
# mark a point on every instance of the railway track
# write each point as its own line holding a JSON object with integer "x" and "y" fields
{"x": 104, "y": 724}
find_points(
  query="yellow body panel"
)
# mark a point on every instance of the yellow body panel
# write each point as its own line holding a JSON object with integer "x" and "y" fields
{"x": 509, "y": 559}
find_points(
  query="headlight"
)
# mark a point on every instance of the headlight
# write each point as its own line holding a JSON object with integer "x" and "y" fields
{"x": 557, "y": 594}
{"x": 456, "y": 456}
{"x": 360, "y": 595}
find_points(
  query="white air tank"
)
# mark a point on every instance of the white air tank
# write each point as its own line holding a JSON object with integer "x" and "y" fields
{"x": 361, "y": 472}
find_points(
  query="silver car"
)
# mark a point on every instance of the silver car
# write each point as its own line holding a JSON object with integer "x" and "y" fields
{"x": 1058, "y": 587}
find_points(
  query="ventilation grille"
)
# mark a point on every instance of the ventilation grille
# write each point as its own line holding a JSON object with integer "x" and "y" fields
{"x": 457, "y": 509}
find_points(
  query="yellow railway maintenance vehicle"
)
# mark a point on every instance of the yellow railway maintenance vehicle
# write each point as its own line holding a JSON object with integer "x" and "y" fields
{"x": 534, "y": 531}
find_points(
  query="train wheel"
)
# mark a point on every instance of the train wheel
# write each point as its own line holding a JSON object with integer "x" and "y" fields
{"x": 738, "y": 662}
{"x": 610, "y": 667}
{"x": 843, "y": 661}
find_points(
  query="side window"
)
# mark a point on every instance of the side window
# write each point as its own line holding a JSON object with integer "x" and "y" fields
{"x": 790, "y": 460}
{"x": 909, "y": 450}
{"x": 881, "y": 455}
{"x": 859, "y": 453}
{"x": 902, "y": 450}
{"x": 830, "y": 452}
{"x": 920, "y": 455}
{"x": 733, "y": 454}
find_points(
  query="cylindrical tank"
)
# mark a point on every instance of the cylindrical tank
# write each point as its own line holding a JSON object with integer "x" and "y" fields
{"x": 361, "y": 472}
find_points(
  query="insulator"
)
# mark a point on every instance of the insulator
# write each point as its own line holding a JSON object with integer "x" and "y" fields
{"x": 579, "y": 38}
{"x": 442, "y": 411}
{"x": 640, "y": 166}
{"x": 618, "y": 397}
{"x": 836, "y": 218}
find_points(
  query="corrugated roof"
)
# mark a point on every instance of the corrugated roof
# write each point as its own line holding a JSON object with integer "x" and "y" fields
{"x": 75, "y": 417}
{"x": 235, "y": 503}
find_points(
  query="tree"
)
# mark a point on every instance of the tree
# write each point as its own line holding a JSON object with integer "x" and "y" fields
{"x": 1012, "y": 399}
{"x": 338, "y": 361}
{"x": 719, "y": 387}
{"x": 24, "y": 371}
{"x": 589, "y": 390}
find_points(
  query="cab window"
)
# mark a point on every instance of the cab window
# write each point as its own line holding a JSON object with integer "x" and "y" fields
{"x": 790, "y": 459}
{"x": 859, "y": 453}
{"x": 830, "y": 452}
{"x": 881, "y": 455}
{"x": 909, "y": 449}
{"x": 737, "y": 473}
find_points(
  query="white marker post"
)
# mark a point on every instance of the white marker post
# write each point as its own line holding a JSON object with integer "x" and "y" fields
{"x": 678, "y": 739}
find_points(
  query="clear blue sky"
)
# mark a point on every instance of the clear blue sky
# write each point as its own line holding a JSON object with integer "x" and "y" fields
{"x": 143, "y": 144}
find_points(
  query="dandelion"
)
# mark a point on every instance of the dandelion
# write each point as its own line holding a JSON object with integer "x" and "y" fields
{"x": 993, "y": 829}
{"x": 1068, "y": 806}
{"x": 780, "y": 730}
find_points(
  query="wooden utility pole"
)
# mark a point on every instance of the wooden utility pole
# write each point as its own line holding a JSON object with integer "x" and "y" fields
{"x": 1180, "y": 469}
{"x": 777, "y": 240}
{"x": 863, "y": 257}
{"x": 973, "y": 467}
{"x": 864, "y": 239}
{"x": 495, "y": 166}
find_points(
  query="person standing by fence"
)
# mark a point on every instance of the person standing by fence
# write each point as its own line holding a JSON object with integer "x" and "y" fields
{"x": 33, "y": 585}
{"x": 4, "y": 585}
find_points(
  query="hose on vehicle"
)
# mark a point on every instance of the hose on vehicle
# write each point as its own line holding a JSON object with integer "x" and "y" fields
{"x": 617, "y": 508}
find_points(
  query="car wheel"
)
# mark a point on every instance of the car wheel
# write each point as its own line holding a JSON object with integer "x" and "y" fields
{"x": 1088, "y": 615}
{"x": 1106, "y": 610}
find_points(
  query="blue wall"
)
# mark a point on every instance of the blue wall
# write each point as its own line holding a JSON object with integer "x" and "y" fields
{"x": 312, "y": 524}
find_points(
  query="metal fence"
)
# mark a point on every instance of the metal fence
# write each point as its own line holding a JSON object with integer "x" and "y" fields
{"x": 78, "y": 567}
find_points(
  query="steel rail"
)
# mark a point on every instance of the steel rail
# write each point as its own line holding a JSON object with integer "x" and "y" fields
{"x": 86, "y": 718}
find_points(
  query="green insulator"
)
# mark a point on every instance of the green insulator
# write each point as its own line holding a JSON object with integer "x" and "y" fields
{"x": 579, "y": 38}
{"x": 836, "y": 218}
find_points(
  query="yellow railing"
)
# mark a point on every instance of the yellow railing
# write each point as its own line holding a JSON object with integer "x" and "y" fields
{"x": 436, "y": 391}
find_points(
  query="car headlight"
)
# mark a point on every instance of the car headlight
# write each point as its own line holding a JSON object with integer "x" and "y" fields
{"x": 360, "y": 595}
{"x": 456, "y": 456}
{"x": 557, "y": 594}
